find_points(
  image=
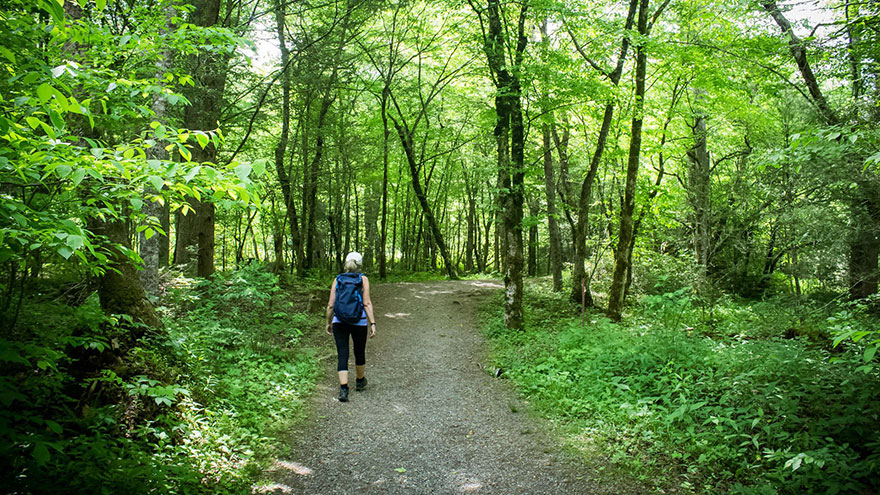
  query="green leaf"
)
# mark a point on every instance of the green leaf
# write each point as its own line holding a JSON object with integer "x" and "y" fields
{"x": 202, "y": 139}
{"x": 55, "y": 427}
{"x": 62, "y": 171}
{"x": 259, "y": 167}
{"x": 128, "y": 154}
{"x": 400, "y": 470}
{"x": 149, "y": 232}
{"x": 54, "y": 9}
{"x": 100, "y": 4}
{"x": 869, "y": 353}
{"x": 78, "y": 176}
{"x": 74, "y": 241}
{"x": 41, "y": 453}
{"x": 184, "y": 152}
{"x": 156, "y": 182}
{"x": 61, "y": 99}
{"x": 192, "y": 173}
{"x": 159, "y": 132}
{"x": 65, "y": 252}
{"x": 56, "y": 119}
{"x": 243, "y": 171}
{"x": 33, "y": 122}
{"x": 44, "y": 92}
{"x": 136, "y": 203}
{"x": 8, "y": 54}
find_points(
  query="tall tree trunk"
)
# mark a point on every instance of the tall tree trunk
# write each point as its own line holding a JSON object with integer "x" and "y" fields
{"x": 210, "y": 70}
{"x": 698, "y": 192}
{"x": 532, "y": 264}
{"x": 583, "y": 206}
{"x": 281, "y": 148}
{"x": 409, "y": 151}
{"x": 510, "y": 142}
{"x": 552, "y": 225}
{"x": 311, "y": 182}
{"x": 165, "y": 240}
{"x": 615, "y": 294}
{"x": 151, "y": 247}
{"x": 386, "y": 133}
{"x": 472, "y": 227}
{"x": 186, "y": 236}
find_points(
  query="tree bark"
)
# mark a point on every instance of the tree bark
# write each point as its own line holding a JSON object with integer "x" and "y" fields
{"x": 552, "y": 225}
{"x": 509, "y": 136}
{"x": 151, "y": 248}
{"x": 583, "y": 206}
{"x": 119, "y": 288}
{"x": 616, "y": 292}
{"x": 210, "y": 71}
{"x": 698, "y": 192}
{"x": 408, "y": 148}
{"x": 281, "y": 147}
{"x": 534, "y": 211}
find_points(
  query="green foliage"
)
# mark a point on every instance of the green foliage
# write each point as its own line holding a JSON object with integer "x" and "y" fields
{"x": 665, "y": 396}
{"x": 197, "y": 409}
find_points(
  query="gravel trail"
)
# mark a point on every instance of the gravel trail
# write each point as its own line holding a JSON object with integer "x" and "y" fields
{"x": 431, "y": 420}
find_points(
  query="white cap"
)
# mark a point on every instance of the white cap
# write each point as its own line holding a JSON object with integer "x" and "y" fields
{"x": 356, "y": 256}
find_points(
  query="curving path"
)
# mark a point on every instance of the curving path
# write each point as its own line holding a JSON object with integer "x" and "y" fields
{"x": 432, "y": 420}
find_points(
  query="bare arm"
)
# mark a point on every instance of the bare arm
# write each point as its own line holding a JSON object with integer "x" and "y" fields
{"x": 368, "y": 307}
{"x": 330, "y": 304}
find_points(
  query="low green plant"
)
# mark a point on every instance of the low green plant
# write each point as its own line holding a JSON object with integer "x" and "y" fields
{"x": 197, "y": 408}
{"x": 696, "y": 409}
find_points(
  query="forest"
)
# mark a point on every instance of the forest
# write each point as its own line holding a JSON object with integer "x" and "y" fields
{"x": 681, "y": 199}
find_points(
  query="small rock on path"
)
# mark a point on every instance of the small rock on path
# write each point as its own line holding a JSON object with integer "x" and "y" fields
{"x": 431, "y": 419}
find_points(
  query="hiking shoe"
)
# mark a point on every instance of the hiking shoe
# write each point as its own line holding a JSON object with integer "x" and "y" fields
{"x": 360, "y": 384}
{"x": 343, "y": 394}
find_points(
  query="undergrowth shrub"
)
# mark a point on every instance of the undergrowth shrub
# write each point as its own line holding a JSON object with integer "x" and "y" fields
{"x": 698, "y": 410}
{"x": 196, "y": 408}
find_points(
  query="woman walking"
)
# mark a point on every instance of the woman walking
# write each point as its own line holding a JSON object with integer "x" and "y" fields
{"x": 349, "y": 312}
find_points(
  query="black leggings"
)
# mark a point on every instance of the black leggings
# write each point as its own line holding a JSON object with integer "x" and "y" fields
{"x": 358, "y": 333}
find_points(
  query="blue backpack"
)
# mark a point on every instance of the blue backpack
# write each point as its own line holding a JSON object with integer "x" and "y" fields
{"x": 349, "y": 305}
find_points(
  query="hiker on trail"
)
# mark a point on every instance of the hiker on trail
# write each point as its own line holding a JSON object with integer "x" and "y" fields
{"x": 349, "y": 312}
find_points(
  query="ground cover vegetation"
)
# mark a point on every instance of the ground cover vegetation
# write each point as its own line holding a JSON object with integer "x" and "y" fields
{"x": 701, "y": 176}
{"x": 693, "y": 403}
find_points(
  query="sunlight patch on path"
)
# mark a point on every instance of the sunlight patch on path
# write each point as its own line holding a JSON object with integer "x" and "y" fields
{"x": 471, "y": 487}
{"x": 292, "y": 466}
{"x": 397, "y": 315}
{"x": 273, "y": 488}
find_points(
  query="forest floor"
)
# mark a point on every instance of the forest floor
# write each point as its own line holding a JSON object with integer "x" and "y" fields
{"x": 432, "y": 418}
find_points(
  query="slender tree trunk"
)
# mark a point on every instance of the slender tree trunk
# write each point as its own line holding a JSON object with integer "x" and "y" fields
{"x": 386, "y": 133}
{"x": 532, "y": 264}
{"x": 185, "y": 236}
{"x": 580, "y": 231}
{"x": 615, "y": 294}
{"x": 409, "y": 151}
{"x": 203, "y": 114}
{"x": 698, "y": 192}
{"x": 552, "y": 225}
{"x": 281, "y": 148}
{"x": 151, "y": 247}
